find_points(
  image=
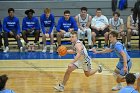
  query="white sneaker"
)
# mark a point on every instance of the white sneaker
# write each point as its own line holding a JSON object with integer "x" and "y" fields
{"x": 100, "y": 68}
{"x": 6, "y": 49}
{"x": 44, "y": 49}
{"x": 51, "y": 49}
{"x": 59, "y": 87}
{"x": 21, "y": 49}
{"x": 117, "y": 87}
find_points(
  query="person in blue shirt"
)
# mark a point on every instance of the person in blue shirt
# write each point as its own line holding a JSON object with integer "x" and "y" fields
{"x": 124, "y": 65}
{"x": 65, "y": 26}
{"x": 47, "y": 21}
{"x": 11, "y": 28}
{"x": 130, "y": 80}
{"x": 3, "y": 80}
{"x": 1, "y": 37}
{"x": 30, "y": 25}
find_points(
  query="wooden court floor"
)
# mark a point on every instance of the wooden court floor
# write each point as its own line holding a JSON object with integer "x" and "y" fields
{"x": 40, "y": 76}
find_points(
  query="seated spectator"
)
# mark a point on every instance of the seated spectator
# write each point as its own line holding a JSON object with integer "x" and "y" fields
{"x": 83, "y": 21}
{"x": 116, "y": 24}
{"x": 130, "y": 80}
{"x": 132, "y": 29}
{"x": 47, "y": 24}
{"x": 30, "y": 25}
{"x": 99, "y": 25}
{"x": 11, "y": 28}
{"x": 65, "y": 26}
{"x": 3, "y": 80}
{"x": 1, "y": 36}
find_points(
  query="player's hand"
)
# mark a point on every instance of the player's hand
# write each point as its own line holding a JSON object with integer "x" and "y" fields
{"x": 70, "y": 51}
{"x": 47, "y": 35}
{"x": 11, "y": 33}
{"x": 70, "y": 29}
{"x": 18, "y": 36}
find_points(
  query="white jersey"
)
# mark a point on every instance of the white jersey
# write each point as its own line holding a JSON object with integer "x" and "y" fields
{"x": 83, "y": 22}
{"x": 116, "y": 24}
{"x": 84, "y": 53}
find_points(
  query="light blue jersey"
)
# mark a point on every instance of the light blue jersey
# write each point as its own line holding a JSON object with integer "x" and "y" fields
{"x": 118, "y": 48}
{"x": 7, "y": 91}
{"x": 128, "y": 89}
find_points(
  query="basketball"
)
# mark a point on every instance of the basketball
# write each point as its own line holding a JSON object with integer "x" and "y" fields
{"x": 62, "y": 50}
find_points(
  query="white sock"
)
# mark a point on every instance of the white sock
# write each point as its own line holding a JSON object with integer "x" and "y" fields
{"x": 128, "y": 43}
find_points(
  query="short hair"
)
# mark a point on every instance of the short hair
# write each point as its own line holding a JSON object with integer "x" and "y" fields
{"x": 74, "y": 33}
{"x": 132, "y": 9}
{"x": 114, "y": 34}
{"x": 66, "y": 12}
{"x": 30, "y": 10}
{"x": 98, "y": 9}
{"x": 130, "y": 78}
{"x": 116, "y": 13}
{"x": 3, "y": 80}
{"x": 47, "y": 10}
{"x": 84, "y": 8}
{"x": 11, "y": 9}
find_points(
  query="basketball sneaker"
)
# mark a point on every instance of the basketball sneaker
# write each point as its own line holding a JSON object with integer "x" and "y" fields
{"x": 137, "y": 75}
{"x": 59, "y": 87}
{"x": 100, "y": 68}
{"x": 117, "y": 87}
{"x": 6, "y": 49}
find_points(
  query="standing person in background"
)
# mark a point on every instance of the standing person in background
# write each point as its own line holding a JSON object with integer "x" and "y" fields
{"x": 116, "y": 24}
{"x": 11, "y": 27}
{"x": 136, "y": 15}
{"x": 83, "y": 21}
{"x": 30, "y": 25}
{"x": 65, "y": 26}
{"x": 47, "y": 21}
{"x": 1, "y": 36}
{"x": 3, "y": 80}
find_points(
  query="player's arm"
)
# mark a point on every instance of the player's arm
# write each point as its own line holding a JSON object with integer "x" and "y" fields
{"x": 79, "y": 48}
{"x": 107, "y": 50}
{"x": 70, "y": 51}
{"x": 78, "y": 24}
{"x": 89, "y": 22}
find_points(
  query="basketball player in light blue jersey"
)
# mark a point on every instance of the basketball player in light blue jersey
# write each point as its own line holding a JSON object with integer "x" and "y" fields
{"x": 81, "y": 59}
{"x": 3, "y": 80}
{"x": 124, "y": 65}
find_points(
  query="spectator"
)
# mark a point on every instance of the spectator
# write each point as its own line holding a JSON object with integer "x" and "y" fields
{"x": 65, "y": 26}
{"x": 30, "y": 25}
{"x": 116, "y": 24}
{"x": 47, "y": 24}
{"x": 136, "y": 15}
{"x": 3, "y": 80}
{"x": 99, "y": 25}
{"x": 83, "y": 21}
{"x": 11, "y": 27}
{"x": 1, "y": 36}
{"x": 130, "y": 80}
{"x": 132, "y": 29}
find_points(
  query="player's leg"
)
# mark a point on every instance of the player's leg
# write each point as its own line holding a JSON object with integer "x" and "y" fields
{"x": 52, "y": 41}
{"x": 6, "y": 43}
{"x": 129, "y": 34}
{"x": 59, "y": 37}
{"x": 105, "y": 33}
{"x": 71, "y": 67}
{"x": 123, "y": 37}
{"x": 94, "y": 34}
{"x": 88, "y": 30}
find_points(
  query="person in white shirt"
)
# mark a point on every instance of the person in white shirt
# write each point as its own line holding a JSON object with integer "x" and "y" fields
{"x": 83, "y": 21}
{"x": 99, "y": 25}
{"x": 116, "y": 24}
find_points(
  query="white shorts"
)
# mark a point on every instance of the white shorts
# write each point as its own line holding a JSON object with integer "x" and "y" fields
{"x": 85, "y": 64}
{"x": 67, "y": 34}
{"x": 48, "y": 28}
{"x": 135, "y": 32}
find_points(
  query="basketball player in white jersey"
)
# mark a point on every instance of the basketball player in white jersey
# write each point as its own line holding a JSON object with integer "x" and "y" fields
{"x": 132, "y": 29}
{"x": 116, "y": 24}
{"x": 83, "y": 21}
{"x": 81, "y": 59}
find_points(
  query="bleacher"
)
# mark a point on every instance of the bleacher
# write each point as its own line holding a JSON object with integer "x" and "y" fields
{"x": 58, "y": 7}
